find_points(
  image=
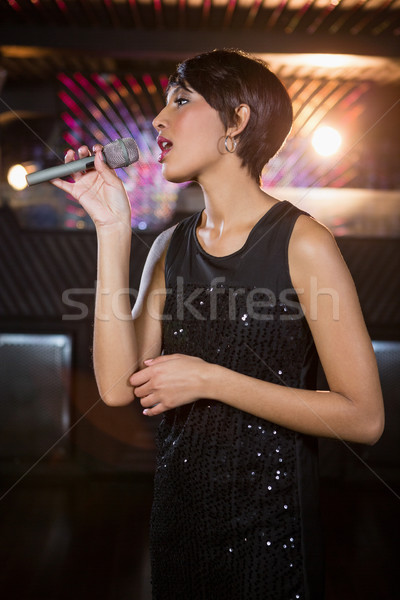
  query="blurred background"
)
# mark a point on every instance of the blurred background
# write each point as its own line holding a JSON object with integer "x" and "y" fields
{"x": 76, "y": 476}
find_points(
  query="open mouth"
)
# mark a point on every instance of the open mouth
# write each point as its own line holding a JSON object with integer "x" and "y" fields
{"x": 165, "y": 146}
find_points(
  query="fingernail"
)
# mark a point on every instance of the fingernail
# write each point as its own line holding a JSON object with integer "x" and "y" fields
{"x": 145, "y": 411}
{"x": 148, "y": 361}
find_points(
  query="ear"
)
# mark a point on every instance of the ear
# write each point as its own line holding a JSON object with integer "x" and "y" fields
{"x": 242, "y": 116}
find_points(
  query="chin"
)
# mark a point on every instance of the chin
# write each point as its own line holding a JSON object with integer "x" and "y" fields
{"x": 177, "y": 177}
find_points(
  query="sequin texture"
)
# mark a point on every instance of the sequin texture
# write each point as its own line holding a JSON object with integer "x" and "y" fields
{"x": 227, "y": 514}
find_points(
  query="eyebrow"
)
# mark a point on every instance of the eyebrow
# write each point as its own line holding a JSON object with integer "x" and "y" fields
{"x": 176, "y": 89}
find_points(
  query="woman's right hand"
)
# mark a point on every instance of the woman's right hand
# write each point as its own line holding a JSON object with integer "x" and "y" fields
{"x": 99, "y": 191}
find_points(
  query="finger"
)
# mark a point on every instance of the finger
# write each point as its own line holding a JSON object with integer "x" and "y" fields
{"x": 140, "y": 377}
{"x": 149, "y": 401}
{"x": 143, "y": 390}
{"x": 83, "y": 151}
{"x": 161, "y": 359}
{"x": 65, "y": 186}
{"x": 105, "y": 171}
{"x": 69, "y": 155}
{"x": 158, "y": 409}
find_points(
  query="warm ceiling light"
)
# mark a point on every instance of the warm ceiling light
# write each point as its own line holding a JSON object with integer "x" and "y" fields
{"x": 328, "y": 60}
{"x": 16, "y": 177}
{"x": 326, "y": 140}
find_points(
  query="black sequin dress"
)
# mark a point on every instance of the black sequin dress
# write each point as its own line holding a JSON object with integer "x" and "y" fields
{"x": 235, "y": 511}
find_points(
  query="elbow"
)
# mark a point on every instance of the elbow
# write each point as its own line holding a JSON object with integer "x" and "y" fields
{"x": 367, "y": 422}
{"x": 117, "y": 399}
{"x": 376, "y": 429}
{"x": 372, "y": 429}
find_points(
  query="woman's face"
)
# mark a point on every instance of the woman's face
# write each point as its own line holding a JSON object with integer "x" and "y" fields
{"x": 191, "y": 136}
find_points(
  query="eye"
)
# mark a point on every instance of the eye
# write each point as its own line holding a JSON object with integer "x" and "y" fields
{"x": 180, "y": 101}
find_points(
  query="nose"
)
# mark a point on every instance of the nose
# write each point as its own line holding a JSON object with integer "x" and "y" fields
{"x": 159, "y": 120}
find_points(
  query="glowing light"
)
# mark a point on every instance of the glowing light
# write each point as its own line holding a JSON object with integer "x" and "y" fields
{"x": 328, "y": 60}
{"x": 326, "y": 140}
{"x": 16, "y": 177}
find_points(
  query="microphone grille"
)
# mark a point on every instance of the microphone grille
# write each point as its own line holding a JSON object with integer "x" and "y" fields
{"x": 121, "y": 153}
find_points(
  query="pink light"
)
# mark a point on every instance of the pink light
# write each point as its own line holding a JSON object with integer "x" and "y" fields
{"x": 62, "y": 6}
{"x": 68, "y": 120}
{"x": 70, "y": 83}
{"x": 163, "y": 81}
{"x": 14, "y": 4}
{"x": 157, "y": 5}
{"x": 85, "y": 83}
{"x": 147, "y": 80}
{"x": 134, "y": 85}
{"x": 77, "y": 91}
{"x": 70, "y": 223}
{"x": 70, "y": 103}
{"x": 354, "y": 95}
{"x": 71, "y": 140}
{"x": 100, "y": 82}
{"x": 63, "y": 78}
{"x": 117, "y": 83}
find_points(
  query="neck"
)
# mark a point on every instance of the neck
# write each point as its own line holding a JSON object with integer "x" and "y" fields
{"x": 232, "y": 199}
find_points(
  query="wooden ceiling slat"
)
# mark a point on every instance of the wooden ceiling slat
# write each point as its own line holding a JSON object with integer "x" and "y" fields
{"x": 157, "y": 7}
{"x": 329, "y": 101}
{"x": 323, "y": 15}
{"x": 297, "y": 17}
{"x": 347, "y": 14}
{"x": 273, "y": 19}
{"x": 253, "y": 12}
{"x": 206, "y": 12}
{"x": 353, "y": 17}
{"x": 230, "y": 9}
{"x": 110, "y": 9}
{"x": 87, "y": 9}
{"x": 311, "y": 98}
{"x": 65, "y": 11}
{"x": 182, "y": 13}
{"x": 370, "y": 15}
{"x": 133, "y": 7}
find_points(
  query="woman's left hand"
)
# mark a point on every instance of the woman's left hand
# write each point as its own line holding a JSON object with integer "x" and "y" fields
{"x": 169, "y": 381}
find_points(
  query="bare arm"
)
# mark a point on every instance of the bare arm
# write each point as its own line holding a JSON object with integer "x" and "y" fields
{"x": 352, "y": 410}
{"x": 121, "y": 341}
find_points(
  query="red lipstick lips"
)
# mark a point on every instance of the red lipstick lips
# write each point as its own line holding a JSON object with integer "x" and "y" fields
{"x": 165, "y": 146}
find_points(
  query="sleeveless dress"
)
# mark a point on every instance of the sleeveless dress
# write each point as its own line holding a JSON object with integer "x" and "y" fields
{"x": 235, "y": 510}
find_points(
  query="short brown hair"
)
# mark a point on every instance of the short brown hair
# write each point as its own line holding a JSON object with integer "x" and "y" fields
{"x": 228, "y": 78}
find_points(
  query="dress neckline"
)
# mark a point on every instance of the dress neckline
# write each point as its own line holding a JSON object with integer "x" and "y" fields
{"x": 246, "y": 243}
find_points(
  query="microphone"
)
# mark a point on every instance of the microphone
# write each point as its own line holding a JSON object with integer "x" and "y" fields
{"x": 121, "y": 153}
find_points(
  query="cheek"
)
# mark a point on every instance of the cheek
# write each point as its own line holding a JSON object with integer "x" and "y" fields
{"x": 202, "y": 126}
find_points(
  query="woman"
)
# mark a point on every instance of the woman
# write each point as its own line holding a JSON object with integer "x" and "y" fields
{"x": 233, "y": 305}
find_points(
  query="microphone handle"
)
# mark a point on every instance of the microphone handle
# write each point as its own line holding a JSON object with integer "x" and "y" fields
{"x": 60, "y": 170}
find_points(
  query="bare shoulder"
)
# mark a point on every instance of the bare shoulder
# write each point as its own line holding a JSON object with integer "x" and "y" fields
{"x": 313, "y": 251}
{"x": 310, "y": 236}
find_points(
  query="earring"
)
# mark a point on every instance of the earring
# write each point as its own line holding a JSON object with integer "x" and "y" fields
{"x": 233, "y": 142}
